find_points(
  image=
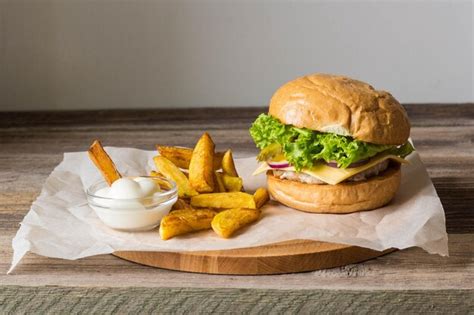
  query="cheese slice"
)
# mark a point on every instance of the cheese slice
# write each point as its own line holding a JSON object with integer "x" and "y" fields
{"x": 333, "y": 175}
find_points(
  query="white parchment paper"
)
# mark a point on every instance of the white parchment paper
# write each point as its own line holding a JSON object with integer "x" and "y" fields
{"x": 61, "y": 224}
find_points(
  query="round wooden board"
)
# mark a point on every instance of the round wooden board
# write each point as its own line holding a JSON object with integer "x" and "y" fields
{"x": 278, "y": 258}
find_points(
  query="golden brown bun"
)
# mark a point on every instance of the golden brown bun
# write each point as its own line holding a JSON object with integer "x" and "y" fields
{"x": 330, "y": 103}
{"x": 345, "y": 197}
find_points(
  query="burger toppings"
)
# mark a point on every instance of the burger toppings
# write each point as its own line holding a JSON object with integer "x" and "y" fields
{"x": 308, "y": 179}
{"x": 297, "y": 176}
{"x": 355, "y": 164}
{"x": 304, "y": 148}
{"x": 373, "y": 171}
{"x": 333, "y": 176}
{"x": 278, "y": 164}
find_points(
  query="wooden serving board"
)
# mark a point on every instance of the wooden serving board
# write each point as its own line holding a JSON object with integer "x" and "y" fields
{"x": 278, "y": 258}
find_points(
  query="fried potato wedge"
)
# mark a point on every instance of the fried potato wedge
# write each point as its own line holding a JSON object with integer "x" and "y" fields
{"x": 201, "y": 172}
{"x": 229, "y": 221}
{"x": 218, "y": 183}
{"x": 181, "y": 157}
{"x": 228, "y": 165}
{"x": 159, "y": 179}
{"x": 172, "y": 172}
{"x": 181, "y": 204}
{"x": 232, "y": 183}
{"x": 227, "y": 200}
{"x": 184, "y": 221}
{"x": 261, "y": 197}
{"x": 155, "y": 174}
{"x": 103, "y": 162}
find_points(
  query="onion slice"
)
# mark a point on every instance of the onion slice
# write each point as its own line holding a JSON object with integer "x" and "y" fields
{"x": 355, "y": 164}
{"x": 278, "y": 164}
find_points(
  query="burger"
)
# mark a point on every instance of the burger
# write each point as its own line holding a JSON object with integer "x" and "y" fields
{"x": 332, "y": 144}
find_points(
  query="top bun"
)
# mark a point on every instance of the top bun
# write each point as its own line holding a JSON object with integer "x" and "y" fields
{"x": 341, "y": 105}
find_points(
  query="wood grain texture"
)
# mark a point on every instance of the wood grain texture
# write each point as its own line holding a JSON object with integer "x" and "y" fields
{"x": 278, "y": 258}
{"x": 62, "y": 300}
{"x": 32, "y": 144}
{"x": 412, "y": 269}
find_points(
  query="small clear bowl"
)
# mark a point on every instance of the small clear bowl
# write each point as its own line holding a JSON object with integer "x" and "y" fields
{"x": 137, "y": 214}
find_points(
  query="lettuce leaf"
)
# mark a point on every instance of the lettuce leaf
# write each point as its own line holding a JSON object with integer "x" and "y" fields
{"x": 302, "y": 147}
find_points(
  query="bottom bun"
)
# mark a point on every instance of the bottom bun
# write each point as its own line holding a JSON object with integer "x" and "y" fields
{"x": 345, "y": 197}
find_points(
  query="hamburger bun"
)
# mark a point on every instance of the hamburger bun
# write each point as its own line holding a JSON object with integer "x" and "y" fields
{"x": 346, "y": 197}
{"x": 338, "y": 104}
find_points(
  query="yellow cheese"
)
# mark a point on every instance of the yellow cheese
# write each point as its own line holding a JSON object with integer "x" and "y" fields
{"x": 333, "y": 175}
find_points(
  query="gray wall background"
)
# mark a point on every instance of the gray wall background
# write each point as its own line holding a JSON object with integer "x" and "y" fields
{"x": 73, "y": 54}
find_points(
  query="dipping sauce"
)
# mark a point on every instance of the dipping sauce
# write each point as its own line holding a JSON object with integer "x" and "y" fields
{"x": 137, "y": 189}
{"x": 132, "y": 203}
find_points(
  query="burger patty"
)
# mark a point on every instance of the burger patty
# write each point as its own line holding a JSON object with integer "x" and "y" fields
{"x": 305, "y": 178}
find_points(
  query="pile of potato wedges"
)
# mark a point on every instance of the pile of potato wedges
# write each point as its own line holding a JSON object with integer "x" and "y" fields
{"x": 211, "y": 193}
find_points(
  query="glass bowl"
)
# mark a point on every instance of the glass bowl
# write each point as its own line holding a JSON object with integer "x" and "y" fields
{"x": 134, "y": 214}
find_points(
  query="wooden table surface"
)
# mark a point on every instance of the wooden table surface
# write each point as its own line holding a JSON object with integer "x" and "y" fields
{"x": 32, "y": 144}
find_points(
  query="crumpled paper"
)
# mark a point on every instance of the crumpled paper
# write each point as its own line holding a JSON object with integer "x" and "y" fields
{"x": 60, "y": 223}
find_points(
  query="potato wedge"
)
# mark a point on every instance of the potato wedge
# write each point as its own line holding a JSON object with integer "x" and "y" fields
{"x": 155, "y": 174}
{"x": 158, "y": 178}
{"x": 181, "y": 204}
{"x": 232, "y": 183}
{"x": 181, "y": 157}
{"x": 219, "y": 183}
{"x": 227, "y": 200}
{"x": 185, "y": 221}
{"x": 261, "y": 197}
{"x": 201, "y": 173}
{"x": 103, "y": 162}
{"x": 228, "y": 165}
{"x": 229, "y": 221}
{"x": 172, "y": 172}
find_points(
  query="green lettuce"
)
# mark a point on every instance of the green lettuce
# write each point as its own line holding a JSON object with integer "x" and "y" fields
{"x": 303, "y": 147}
